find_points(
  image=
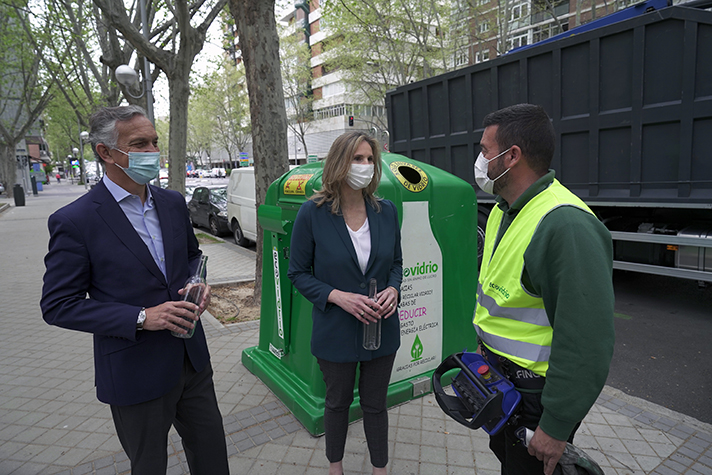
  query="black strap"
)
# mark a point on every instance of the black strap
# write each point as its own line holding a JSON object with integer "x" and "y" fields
{"x": 524, "y": 380}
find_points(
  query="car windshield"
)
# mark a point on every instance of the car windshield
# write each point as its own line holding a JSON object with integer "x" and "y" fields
{"x": 218, "y": 195}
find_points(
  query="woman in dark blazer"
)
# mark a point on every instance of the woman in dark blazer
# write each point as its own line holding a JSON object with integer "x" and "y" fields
{"x": 342, "y": 238}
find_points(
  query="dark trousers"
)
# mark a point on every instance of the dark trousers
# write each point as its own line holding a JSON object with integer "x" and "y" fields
{"x": 373, "y": 389}
{"x": 192, "y": 407}
{"x": 508, "y": 448}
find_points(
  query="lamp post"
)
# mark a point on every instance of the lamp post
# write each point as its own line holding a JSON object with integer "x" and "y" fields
{"x": 83, "y": 137}
{"x": 127, "y": 76}
{"x": 75, "y": 153}
{"x": 71, "y": 168}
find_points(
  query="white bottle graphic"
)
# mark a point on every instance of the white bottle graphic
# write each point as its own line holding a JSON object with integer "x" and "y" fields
{"x": 421, "y": 307}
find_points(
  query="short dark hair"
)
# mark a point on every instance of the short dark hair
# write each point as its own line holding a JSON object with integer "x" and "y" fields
{"x": 529, "y": 127}
{"x": 103, "y": 125}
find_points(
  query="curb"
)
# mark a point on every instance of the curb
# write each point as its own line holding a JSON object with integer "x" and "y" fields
{"x": 657, "y": 409}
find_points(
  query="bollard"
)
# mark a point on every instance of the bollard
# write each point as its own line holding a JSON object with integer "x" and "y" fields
{"x": 18, "y": 194}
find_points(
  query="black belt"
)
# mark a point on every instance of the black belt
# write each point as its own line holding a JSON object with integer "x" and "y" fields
{"x": 524, "y": 380}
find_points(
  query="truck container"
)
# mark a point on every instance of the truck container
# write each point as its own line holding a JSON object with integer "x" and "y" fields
{"x": 631, "y": 103}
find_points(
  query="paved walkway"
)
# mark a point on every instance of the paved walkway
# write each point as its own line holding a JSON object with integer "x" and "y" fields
{"x": 52, "y": 423}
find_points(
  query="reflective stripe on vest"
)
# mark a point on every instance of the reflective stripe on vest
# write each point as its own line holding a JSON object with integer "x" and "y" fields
{"x": 535, "y": 316}
{"x": 508, "y": 319}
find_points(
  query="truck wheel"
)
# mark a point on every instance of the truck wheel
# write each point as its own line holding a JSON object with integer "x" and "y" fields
{"x": 214, "y": 229}
{"x": 239, "y": 237}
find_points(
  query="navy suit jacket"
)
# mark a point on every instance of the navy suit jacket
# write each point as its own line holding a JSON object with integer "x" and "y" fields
{"x": 322, "y": 258}
{"x": 99, "y": 273}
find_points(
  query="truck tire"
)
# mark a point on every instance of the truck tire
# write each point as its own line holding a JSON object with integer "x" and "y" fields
{"x": 214, "y": 229}
{"x": 240, "y": 238}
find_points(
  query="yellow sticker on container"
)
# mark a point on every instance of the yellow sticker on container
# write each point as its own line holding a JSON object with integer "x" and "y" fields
{"x": 295, "y": 184}
{"x": 410, "y": 176}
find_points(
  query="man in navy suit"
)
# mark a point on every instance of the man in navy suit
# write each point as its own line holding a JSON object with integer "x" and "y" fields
{"x": 118, "y": 259}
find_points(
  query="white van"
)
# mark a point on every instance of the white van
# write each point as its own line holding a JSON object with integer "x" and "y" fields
{"x": 241, "y": 209}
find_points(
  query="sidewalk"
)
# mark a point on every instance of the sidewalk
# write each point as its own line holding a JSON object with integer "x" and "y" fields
{"x": 51, "y": 421}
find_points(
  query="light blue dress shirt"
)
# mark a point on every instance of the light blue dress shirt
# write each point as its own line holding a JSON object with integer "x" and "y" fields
{"x": 143, "y": 218}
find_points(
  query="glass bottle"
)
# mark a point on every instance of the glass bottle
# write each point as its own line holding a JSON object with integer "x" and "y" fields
{"x": 372, "y": 331}
{"x": 194, "y": 288}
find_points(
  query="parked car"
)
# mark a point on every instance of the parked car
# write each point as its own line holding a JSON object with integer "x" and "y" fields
{"x": 189, "y": 193}
{"x": 217, "y": 173}
{"x": 208, "y": 208}
{"x": 241, "y": 210}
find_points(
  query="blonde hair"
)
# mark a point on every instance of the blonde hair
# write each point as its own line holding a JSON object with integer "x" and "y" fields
{"x": 337, "y": 165}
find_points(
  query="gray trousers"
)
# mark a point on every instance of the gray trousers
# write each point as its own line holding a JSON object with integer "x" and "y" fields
{"x": 373, "y": 389}
{"x": 191, "y": 406}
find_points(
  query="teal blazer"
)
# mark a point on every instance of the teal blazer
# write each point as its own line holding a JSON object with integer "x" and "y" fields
{"x": 322, "y": 258}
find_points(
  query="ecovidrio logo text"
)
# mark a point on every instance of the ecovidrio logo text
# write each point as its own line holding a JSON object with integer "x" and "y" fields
{"x": 421, "y": 269}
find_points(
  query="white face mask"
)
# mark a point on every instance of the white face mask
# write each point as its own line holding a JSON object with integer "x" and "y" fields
{"x": 481, "y": 177}
{"x": 360, "y": 175}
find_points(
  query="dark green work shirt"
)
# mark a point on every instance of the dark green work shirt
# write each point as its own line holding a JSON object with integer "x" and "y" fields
{"x": 569, "y": 264}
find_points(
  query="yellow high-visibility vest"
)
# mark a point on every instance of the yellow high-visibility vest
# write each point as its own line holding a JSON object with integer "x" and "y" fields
{"x": 508, "y": 319}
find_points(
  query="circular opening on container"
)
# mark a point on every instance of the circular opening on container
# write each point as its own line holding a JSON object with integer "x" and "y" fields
{"x": 409, "y": 174}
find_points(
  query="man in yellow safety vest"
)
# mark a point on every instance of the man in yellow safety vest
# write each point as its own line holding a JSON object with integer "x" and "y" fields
{"x": 544, "y": 313}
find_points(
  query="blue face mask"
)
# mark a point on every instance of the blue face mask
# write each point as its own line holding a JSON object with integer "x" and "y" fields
{"x": 143, "y": 166}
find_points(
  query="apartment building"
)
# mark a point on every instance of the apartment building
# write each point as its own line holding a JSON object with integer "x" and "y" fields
{"x": 335, "y": 109}
{"x": 488, "y": 28}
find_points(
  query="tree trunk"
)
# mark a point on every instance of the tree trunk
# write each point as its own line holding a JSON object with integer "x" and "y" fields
{"x": 259, "y": 43}
{"x": 178, "y": 92}
{"x": 8, "y": 167}
{"x": 303, "y": 140}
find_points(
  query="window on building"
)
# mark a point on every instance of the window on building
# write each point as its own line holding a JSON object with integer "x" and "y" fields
{"x": 481, "y": 56}
{"x": 333, "y": 89}
{"x": 517, "y": 41}
{"x": 519, "y": 11}
{"x": 462, "y": 57}
{"x": 543, "y": 32}
{"x": 483, "y": 27}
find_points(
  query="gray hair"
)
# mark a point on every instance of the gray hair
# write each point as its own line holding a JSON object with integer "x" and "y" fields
{"x": 103, "y": 125}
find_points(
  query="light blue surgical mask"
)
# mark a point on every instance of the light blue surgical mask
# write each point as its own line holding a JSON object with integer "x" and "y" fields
{"x": 143, "y": 166}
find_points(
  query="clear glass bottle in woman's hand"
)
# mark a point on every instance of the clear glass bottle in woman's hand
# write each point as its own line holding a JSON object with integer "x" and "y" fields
{"x": 193, "y": 293}
{"x": 372, "y": 331}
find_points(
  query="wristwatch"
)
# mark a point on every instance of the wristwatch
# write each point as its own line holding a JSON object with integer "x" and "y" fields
{"x": 141, "y": 319}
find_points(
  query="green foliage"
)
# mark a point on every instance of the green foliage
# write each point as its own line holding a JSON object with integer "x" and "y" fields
{"x": 386, "y": 43}
{"x": 295, "y": 56}
{"x": 69, "y": 46}
{"x": 218, "y": 113}
{"x": 24, "y": 88}
{"x": 62, "y": 133}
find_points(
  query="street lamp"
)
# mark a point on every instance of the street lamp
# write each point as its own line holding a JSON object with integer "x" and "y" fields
{"x": 127, "y": 76}
{"x": 71, "y": 168}
{"x": 75, "y": 152}
{"x": 83, "y": 136}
